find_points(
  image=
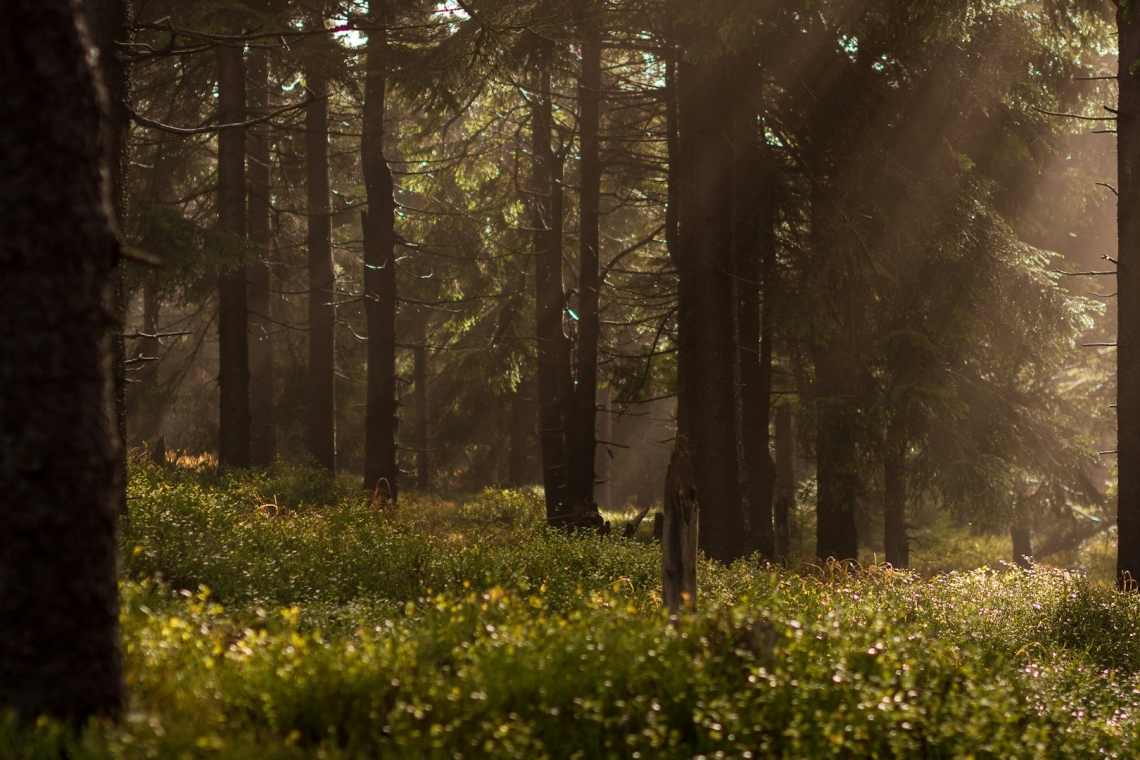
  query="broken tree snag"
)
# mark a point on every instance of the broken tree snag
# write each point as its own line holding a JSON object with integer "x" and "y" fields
{"x": 679, "y": 534}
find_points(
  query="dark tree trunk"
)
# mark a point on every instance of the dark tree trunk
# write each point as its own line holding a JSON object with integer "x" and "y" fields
{"x": 233, "y": 311}
{"x": 785, "y": 482}
{"x": 149, "y": 401}
{"x": 381, "y": 468}
{"x": 603, "y": 464}
{"x": 1128, "y": 300}
{"x": 322, "y": 278}
{"x": 753, "y": 257}
{"x": 1022, "y": 545}
{"x": 523, "y": 415}
{"x": 110, "y": 23}
{"x": 706, "y": 93}
{"x": 552, "y": 346}
{"x": 60, "y": 481}
{"x": 263, "y": 420}
{"x": 423, "y": 412}
{"x": 833, "y": 398}
{"x": 836, "y": 481}
{"x": 673, "y": 239}
{"x": 895, "y": 541}
{"x": 582, "y": 436}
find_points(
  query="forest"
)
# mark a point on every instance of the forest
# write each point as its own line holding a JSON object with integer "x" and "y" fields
{"x": 569, "y": 379}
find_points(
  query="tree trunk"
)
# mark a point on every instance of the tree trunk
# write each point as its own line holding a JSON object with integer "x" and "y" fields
{"x": 1022, "y": 546}
{"x": 60, "y": 482}
{"x": 753, "y": 257}
{"x": 836, "y": 482}
{"x": 110, "y": 23}
{"x": 552, "y": 346}
{"x": 1128, "y": 300}
{"x": 381, "y": 469}
{"x": 895, "y": 541}
{"x": 673, "y": 238}
{"x": 423, "y": 422}
{"x": 680, "y": 532}
{"x": 322, "y": 278}
{"x": 522, "y": 427}
{"x": 149, "y": 401}
{"x": 603, "y": 465}
{"x": 263, "y": 421}
{"x": 233, "y": 310}
{"x": 705, "y": 96}
{"x": 582, "y": 440}
{"x": 785, "y": 482}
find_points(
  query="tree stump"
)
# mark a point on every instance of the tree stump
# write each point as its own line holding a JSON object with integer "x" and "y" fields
{"x": 679, "y": 534}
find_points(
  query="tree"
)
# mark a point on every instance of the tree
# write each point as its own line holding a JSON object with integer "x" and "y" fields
{"x": 233, "y": 308}
{"x": 1128, "y": 299}
{"x": 59, "y": 648}
{"x": 705, "y": 106}
{"x": 263, "y": 421}
{"x": 381, "y": 467}
{"x": 322, "y": 275}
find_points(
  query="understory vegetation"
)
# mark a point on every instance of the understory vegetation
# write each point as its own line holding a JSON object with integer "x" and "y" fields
{"x": 281, "y": 614}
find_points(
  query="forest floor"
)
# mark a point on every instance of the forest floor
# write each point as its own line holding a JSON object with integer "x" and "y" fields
{"x": 283, "y": 615}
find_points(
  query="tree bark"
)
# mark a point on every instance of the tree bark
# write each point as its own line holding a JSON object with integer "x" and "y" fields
{"x": 423, "y": 408}
{"x": 895, "y": 541}
{"x": 705, "y": 112}
{"x": 552, "y": 346}
{"x": 680, "y": 532}
{"x": 522, "y": 431}
{"x": 381, "y": 469}
{"x": 263, "y": 420}
{"x": 785, "y": 482}
{"x": 233, "y": 310}
{"x": 603, "y": 464}
{"x": 1022, "y": 545}
{"x": 149, "y": 402}
{"x": 673, "y": 237}
{"x": 1128, "y": 300}
{"x": 753, "y": 256}
{"x": 110, "y": 23}
{"x": 60, "y": 476}
{"x": 322, "y": 278}
{"x": 582, "y": 435}
{"x": 836, "y": 482}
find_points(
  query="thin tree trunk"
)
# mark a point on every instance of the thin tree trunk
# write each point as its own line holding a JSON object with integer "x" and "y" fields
{"x": 552, "y": 346}
{"x": 1128, "y": 299}
{"x": 582, "y": 435}
{"x": 322, "y": 278}
{"x": 423, "y": 408}
{"x": 836, "y": 476}
{"x": 785, "y": 482}
{"x": 233, "y": 310}
{"x": 1022, "y": 545}
{"x": 522, "y": 427}
{"x": 673, "y": 236}
{"x": 836, "y": 482}
{"x": 753, "y": 249}
{"x": 381, "y": 469}
{"x": 263, "y": 421}
{"x": 705, "y": 97}
{"x": 604, "y": 463}
{"x": 895, "y": 541}
{"x": 149, "y": 402}
{"x": 60, "y": 484}
{"x": 110, "y": 23}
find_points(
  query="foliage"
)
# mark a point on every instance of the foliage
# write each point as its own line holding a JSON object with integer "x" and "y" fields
{"x": 533, "y": 644}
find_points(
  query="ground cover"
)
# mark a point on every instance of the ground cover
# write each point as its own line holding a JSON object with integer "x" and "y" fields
{"x": 284, "y": 615}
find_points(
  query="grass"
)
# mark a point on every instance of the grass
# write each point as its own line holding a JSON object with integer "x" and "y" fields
{"x": 328, "y": 626}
